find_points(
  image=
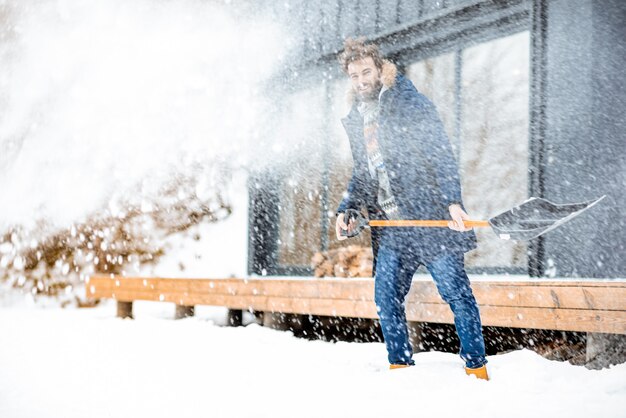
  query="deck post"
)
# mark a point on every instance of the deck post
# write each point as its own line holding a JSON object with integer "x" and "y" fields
{"x": 183, "y": 311}
{"x": 124, "y": 309}
{"x": 604, "y": 350}
{"x": 258, "y": 317}
{"x": 235, "y": 317}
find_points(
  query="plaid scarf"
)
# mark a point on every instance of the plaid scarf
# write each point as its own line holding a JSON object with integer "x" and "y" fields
{"x": 369, "y": 110}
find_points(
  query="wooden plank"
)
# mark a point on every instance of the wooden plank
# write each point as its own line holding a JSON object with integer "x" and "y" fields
{"x": 495, "y": 281}
{"x": 553, "y": 283}
{"x": 517, "y": 317}
{"x": 337, "y": 288}
{"x": 332, "y": 307}
{"x": 286, "y": 279}
{"x": 352, "y": 290}
{"x": 572, "y": 306}
{"x": 425, "y": 292}
{"x": 531, "y": 296}
{"x": 541, "y": 318}
{"x": 246, "y": 302}
{"x": 227, "y": 286}
{"x": 314, "y": 288}
{"x": 555, "y": 297}
{"x": 96, "y": 283}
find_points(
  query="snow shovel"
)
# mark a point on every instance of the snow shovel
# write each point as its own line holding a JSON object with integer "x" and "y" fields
{"x": 526, "y": 221}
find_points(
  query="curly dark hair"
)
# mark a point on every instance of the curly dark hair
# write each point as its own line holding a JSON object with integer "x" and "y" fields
{"x": 356, "y": 50}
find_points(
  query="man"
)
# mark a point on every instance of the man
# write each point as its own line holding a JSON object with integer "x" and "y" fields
{"x": 404, "y": 169}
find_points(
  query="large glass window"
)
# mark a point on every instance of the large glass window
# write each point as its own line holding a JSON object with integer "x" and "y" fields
{"x": 494, "y": 140}
{"x": 340, "y": 167}
{"x": 481, "y": 93}
{"x": 300, "y": 144}
{"x": 435, "y": 78}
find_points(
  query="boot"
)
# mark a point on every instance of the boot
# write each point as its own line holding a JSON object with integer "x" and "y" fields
{"x": 398, "y": 366}
{"x": 480, "y": 372}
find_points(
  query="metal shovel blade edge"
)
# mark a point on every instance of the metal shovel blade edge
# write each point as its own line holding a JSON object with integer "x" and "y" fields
{"x": 535, "y": 217}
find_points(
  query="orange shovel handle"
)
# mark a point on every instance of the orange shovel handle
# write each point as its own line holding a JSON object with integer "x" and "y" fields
{"x": 427, "y": 223}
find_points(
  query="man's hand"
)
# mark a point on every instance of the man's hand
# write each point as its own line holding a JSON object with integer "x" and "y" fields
{"x": 458, "y": 215}
{"x": 341, "y": 224}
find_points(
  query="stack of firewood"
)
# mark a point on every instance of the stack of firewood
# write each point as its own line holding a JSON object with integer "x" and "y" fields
{"x": 350, "y": 261}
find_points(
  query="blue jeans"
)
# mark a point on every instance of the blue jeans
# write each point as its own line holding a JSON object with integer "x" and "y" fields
{"x": 392, "y": 284}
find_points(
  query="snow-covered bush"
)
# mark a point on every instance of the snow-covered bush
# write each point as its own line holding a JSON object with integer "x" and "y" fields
{"x": 119, "y": 239}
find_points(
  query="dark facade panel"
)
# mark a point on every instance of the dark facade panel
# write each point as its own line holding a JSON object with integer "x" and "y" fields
{"x": 263, "y": 216}
{"x": 367, "y": 12}
{"x": 430, "y": 7}
{"x": 331, "y": 21}
{"x": 462, "y": 25}
{"x": 537, "y": 128}
{"x": 312, "y": 28}
{"x": 388, "y": 15}
{"x": 348, "y": 20}
{"x": 409, "y": 11}
{"x": 584, "y": 138}
{"x": 328, "y": 28}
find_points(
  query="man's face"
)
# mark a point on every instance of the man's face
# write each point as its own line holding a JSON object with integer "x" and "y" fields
{"x": 365, "y": 78}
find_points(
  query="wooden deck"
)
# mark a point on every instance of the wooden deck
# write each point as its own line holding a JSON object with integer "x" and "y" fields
{"x": 587, "y": 306}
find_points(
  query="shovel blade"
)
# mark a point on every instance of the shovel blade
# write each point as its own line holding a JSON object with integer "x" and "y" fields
{"x": 535, "y": 217}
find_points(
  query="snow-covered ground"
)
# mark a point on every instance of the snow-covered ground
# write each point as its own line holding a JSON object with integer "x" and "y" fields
{"x": 87, "y": 363}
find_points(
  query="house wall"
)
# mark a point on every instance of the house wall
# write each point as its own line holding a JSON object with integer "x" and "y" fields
{"x": 585, "y": 134}
{"x": 577, "y": 102}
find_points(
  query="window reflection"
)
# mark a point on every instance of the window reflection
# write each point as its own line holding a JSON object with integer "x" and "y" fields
{"x": 435, "y": 78}
{"x": 300, "y": 135}
{"x": 494, "y": 140}
{"x": 492, "y": 148}
{"x": 340, "y": 163}
{"x": 481, "y": 93}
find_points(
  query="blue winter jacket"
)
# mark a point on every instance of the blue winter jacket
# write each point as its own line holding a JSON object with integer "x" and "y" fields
{"x": 422, "y": 171}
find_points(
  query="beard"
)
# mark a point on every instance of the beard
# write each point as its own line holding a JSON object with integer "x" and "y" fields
{"x": 372, "y": 93}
